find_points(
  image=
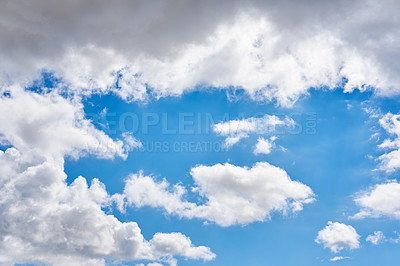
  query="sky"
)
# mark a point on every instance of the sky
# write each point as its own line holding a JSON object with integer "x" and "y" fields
{"x": 199, "y": 133}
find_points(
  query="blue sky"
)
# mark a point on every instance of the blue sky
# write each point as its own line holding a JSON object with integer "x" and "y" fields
{"x": 199, "y": 133}
{"x": 332, "y": 161}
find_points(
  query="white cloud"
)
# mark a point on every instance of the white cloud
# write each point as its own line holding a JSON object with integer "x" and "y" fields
{"x": 266, "y": 48}
{"x": 337, "y": 236}
{"x": 46, "y": 221}
{"x": 390, "y": 161}
{"x": 53, "y": 126}
{"x": 377, "y": 238}
{"x": 167, "y": 245}
{"x": 380, "y": 200}
{"x": 150, "y": 264}
{"x": 130, "y": 142}
{"x": 142, "y": 191}
{"x": 264, "y": 146}
{"x": 337, "y": 258}
{"x": 235, "y": 130}
{"x": 232, "y": 194}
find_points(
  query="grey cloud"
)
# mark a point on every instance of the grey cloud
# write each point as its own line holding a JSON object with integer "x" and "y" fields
{"x": 362, "y": 38}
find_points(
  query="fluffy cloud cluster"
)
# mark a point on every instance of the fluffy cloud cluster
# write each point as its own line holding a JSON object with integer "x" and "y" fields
{"x": 167, "y": 245}
{"x": 232, "y": 194}
{"x": 380, "y": 200}
{"x": 337, "y": 236}
{"x": 270, "y": 49}
{"x": 53, "y": 126}
{"x": 390, "y": 160}
{"x": 235, "y": 130}
{"x": 46, "y": 221}
{"x": 264, "y": 146}
{"x": 377, "y": 238}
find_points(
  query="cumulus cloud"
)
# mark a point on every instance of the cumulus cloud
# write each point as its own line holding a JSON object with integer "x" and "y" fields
{"x": 232, "y": 194}
{"x": 264, "y": 146}
{"x": 167, "y": 245}
{"x": 377, "y": 238}
{"x": 379, "y": 200}
{"x": 53, "y": 126}
{"x": 264, "y": 47}
{"x": 338, "y": 236}
{"x": 390, "y": 160}
{"x": 143, "y": 191}
{"x": 130, "y": 142}
{"x": 158, "y": 49}
{"x": 235, "y": 130}
{"x": 46, "y": 221}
